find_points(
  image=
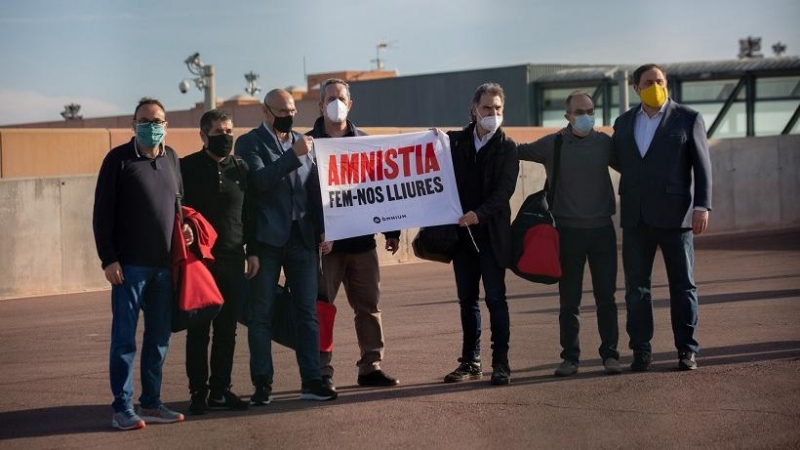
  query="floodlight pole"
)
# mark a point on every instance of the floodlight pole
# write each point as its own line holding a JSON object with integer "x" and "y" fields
{"x": 204, "y": 80}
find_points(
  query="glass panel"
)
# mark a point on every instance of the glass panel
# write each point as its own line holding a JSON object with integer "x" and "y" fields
{"x": 772, "y": 116}
{"x": 553, "y": 119}
{"x": 733, "y": 125}
{"x": 553, "y": 98}
{"x": 782, "y": 87}
{"x": 633, "y": 98}
{"x": 713, "y": 91}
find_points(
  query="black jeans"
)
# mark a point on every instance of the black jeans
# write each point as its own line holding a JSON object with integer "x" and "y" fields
{"x": 639, "y": 246}
{"x": 229, "y": 275}
{"x": 599, "y": 246}
{"x": 469, "y": 267}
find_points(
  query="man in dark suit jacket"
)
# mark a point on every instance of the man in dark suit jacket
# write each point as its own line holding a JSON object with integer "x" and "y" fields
{"x": 288, "y": 231}
{"x": 665, "y": 197}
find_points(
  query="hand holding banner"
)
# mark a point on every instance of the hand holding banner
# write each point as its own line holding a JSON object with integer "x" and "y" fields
{"x": 372, "y": 184}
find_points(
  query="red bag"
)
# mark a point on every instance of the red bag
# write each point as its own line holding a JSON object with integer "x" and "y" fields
{"x": 197, "y": 297}
{"x": 326, "y": 314}
{"x": 540, "y": 253}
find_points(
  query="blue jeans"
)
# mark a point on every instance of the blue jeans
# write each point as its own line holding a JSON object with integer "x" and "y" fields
{"x": 638, "y": 253}
{"x": 469, "y": 267}
{"x": 599, "y": 246}
{"x": 148, "y": 289}
{"x": 300, "y": 268}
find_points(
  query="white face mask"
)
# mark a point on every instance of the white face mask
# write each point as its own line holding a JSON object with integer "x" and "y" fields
{"x": 491, "y": 123}
{"x": 336, "y": 111}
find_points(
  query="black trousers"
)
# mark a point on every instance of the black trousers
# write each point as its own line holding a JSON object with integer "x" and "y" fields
{"x": 599, "y": 246}
{"x": 229, "y": 275}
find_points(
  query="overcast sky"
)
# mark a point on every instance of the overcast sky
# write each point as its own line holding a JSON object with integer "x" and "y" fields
{"x": 106, "y": 54}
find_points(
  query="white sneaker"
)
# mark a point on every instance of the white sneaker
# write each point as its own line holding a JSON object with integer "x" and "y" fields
{"x": 162, "y": 414}
{"x": 127, "y": 420}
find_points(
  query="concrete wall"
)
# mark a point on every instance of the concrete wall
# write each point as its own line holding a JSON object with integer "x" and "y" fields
{"x": 36, "y": 153}
{"x": 47, "y": 245}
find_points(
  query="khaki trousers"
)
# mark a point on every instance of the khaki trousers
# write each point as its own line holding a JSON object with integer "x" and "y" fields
{"x": 360, "y": 275}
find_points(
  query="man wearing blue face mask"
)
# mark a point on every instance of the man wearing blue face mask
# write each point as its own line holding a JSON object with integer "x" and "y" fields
{"x": 582, "y": 206}
{"x": 134, "y": 215}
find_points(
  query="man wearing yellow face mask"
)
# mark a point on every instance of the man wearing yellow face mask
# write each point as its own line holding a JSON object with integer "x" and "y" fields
{"x": 665, "y": 197}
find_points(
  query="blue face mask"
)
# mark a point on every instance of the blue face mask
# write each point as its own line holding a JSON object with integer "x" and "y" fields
{"x": 583, "y": 124}
{"x": 150, "y": 134}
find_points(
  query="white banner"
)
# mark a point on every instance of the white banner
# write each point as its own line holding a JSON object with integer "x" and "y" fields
{"x": 372, "y": 184}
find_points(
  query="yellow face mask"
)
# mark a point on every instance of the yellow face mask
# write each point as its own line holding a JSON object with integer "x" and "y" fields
{"x": 654, "y": 96}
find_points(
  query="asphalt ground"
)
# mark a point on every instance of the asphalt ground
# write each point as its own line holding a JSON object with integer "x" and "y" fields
{"x": 54, "y": 390}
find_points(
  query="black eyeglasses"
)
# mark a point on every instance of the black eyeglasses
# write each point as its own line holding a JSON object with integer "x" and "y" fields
{"x": 581, "y": 112}
{"x": 149, "y": 121}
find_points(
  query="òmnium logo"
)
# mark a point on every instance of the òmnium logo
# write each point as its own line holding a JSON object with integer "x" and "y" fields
{"x": 377, "y": 219}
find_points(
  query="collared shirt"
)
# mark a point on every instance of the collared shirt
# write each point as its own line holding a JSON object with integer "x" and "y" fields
{"x": 302, "y": 172}
{"x": 480, "y": 142}
{"x": 285, "y": 145}
{"x": 645, "y": 128}
{"x": 217, "y": 191}
{"x": 162, "y": 149}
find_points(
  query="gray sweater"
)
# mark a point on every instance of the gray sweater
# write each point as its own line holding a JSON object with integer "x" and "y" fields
{"x": 584, "y": 196}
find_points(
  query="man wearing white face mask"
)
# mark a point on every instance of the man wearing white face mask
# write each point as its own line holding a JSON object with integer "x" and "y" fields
{"x": 352, "y": 262}
{"x": 486, "y": 166}
{"x": 583, "y": 204}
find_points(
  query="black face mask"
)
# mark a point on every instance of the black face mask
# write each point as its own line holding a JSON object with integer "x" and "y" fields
{"x": 220, "y": 145}
{"x": 283, "y": 124}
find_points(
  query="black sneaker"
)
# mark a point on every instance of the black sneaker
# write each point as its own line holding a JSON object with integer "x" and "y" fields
{"x": 327, "y": 381}
{"x": 198, "y": 404}
{"x": 377, "y": 378}
{"x": 641, "y": 361}
{"x": 467, "y": 370}
{"x": 262, "y": 396}
{"x": 686, "y": 361}
{"x": 316, "y": 390}
{"x": 225, "y": 400}
{"x": 501, "y": 374}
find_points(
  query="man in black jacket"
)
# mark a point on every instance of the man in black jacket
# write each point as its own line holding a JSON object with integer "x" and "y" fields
{"x": 353, "y": 261}
{"x": 215, "y": 185}
{"x": 486, "y": 166}
{"x": 134, "y": 216}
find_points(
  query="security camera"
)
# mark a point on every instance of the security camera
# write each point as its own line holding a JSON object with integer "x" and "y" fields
{"x": 184, "y": 86}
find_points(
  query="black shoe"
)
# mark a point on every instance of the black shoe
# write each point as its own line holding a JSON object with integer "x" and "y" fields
{"x": 641, "y": 361}
{"x": 225, "y": 400}
{"x": 467, "y": 370}
{"x": 327, "y": 381}
{"x": 262, "y": 396}
{"x": 501, "y": 374}
{"x": 686, "y": 361}
{"x": 316, "y": 390}
{"x": 377, "y": 378}
{"x": 198, "y": 405}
